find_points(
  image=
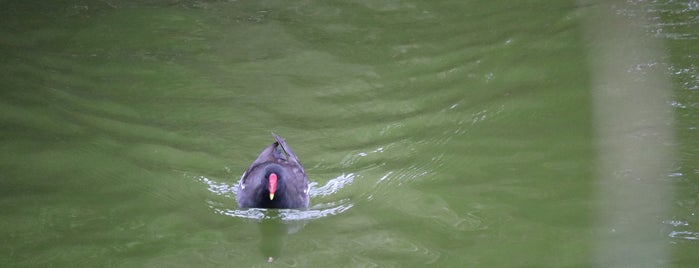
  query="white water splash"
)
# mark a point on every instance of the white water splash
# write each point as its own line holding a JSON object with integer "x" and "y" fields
{"x": 317, "y": 211}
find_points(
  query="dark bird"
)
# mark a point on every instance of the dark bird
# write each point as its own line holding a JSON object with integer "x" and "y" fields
{"x": 275, "y": 179}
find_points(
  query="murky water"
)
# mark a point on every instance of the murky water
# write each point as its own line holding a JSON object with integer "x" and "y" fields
{"x": 444, "y": 133}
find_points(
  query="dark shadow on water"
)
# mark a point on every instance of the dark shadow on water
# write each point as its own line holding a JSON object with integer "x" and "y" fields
{"x": 273, "y": 233}
{"x": 274, "y": 230}
{"x": 275, "y": 225}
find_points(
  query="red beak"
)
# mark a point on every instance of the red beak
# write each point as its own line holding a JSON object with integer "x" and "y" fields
{"x": 272, "y": 185}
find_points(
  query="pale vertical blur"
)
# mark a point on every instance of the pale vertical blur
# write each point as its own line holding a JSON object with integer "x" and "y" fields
{"x": 634, "y": 134}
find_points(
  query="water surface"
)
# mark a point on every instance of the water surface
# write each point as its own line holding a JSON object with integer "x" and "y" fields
{"x": 444, "y": 133}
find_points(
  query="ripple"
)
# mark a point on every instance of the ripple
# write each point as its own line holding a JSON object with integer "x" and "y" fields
{"x": 657, "y": 12}
{"x": 687, "y": 235}
{"x": 221, "y": 189}
{"x": 397, "y": 244}
{"x": 332, "y": 186}
{"x": 321, "y": 210}
{"x": 676, "y": 223}
{"x": 286, "y": 214}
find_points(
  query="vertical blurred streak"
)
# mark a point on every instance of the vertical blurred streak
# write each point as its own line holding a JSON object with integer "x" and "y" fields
{"x": 634, "y": 135}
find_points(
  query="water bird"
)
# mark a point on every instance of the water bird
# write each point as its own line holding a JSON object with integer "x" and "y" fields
{"x": 275, "y": 179}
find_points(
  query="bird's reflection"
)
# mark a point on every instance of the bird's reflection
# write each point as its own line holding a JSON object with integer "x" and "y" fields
{"x": 272, "y": 233}
{"x": 274, "y": 230}
{"x": 275, "y": 225}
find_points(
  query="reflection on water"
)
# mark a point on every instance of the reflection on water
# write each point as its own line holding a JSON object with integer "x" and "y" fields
{"x": 275, "y": 224}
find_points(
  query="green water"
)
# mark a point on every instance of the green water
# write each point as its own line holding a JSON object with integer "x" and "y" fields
{"x": 443, "y": 133}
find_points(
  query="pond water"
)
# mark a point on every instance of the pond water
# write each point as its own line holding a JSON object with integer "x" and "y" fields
{"x": 469, "y": 133}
